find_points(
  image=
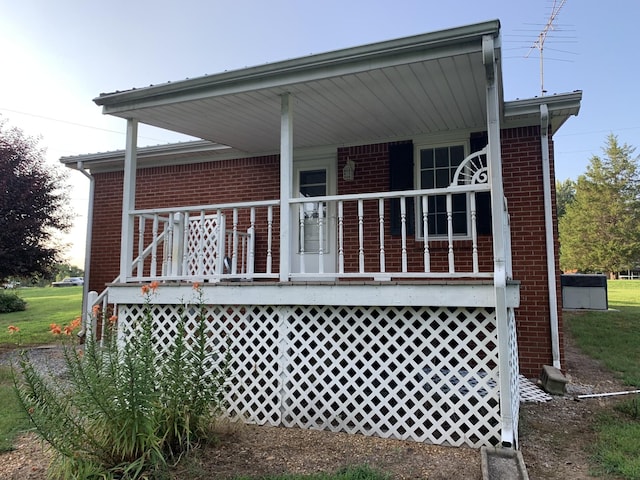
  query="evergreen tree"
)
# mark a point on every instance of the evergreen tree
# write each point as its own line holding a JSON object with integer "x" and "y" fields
{"x": 565, "y": 193}
{"x": 600, "y": 230}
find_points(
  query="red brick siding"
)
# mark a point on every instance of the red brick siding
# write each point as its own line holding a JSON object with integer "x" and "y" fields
{"x": 523, "y": 181}
{"x": 107, "y": 220}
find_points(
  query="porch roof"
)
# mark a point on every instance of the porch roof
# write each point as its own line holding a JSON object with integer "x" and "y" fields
{"x": 399, "y": 88}
{"x": 521, "y": 112}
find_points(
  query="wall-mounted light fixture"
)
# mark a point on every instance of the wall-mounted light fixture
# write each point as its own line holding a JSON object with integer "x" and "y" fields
{"x": 348, "y": 170}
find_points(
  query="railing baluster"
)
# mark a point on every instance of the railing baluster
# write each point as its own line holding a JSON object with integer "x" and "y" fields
{"x": 269, "y": 237}
{"x": 220, "y": 225}
{"x": 301, "y": 236}
{"x": 452, "y": 264}
{"x": 474, "y": 232}
{"x": 403, "y": 224}
{"x": 381, "y": 233}
{"x": 252, "y": 243}
{"x": 425, "y": 233}
{"x": 185, "y": 244}
{"x": 320, "y": 237}
{"x": 154, "y": 249}
{"x": 340, "y": 237}
{"x": 140, "y": 262}
{"x": 178, "y": 244}
{"x": 168, "y": 246}
{"x": 234, "y": 252}
{"x": 360, "y": 236}
{"x": 200, "y": 251}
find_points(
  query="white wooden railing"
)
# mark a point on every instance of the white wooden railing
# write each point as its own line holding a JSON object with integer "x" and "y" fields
{"x": 351, "y": 236}
{"x": 187, "y": 244}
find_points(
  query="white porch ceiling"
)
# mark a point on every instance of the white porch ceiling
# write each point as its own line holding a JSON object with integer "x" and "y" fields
{"x": 392, "y": 90}
{"x": 379, "y": 104}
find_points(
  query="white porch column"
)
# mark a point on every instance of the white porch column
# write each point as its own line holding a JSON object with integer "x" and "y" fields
{"x": 128, "y": 199}
{"x": 499, "y": 244}
{"x": 286, "y": 174}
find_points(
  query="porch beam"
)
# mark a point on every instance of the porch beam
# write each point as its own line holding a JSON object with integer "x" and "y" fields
{"x": 471, "y": 294}
{"x": 286, "y": 177}
{"x": 128, "y": 199}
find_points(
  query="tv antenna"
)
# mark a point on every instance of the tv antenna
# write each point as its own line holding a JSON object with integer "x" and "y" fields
{"x": 539, "y": 43}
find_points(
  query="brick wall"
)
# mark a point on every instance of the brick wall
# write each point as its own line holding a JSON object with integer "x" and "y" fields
{"x": 522, "y": 171}
{"x": 258, "y": 179}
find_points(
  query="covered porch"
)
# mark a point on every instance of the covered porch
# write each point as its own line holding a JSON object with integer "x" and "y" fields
{"x": 387, "y": 312}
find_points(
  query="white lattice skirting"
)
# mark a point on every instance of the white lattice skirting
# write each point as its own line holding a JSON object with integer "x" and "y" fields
{"x": 418, "y": 373}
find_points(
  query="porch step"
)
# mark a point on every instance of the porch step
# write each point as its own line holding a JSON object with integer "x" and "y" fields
{"x": 553, "y": 381}
{"x": 502, "y": 464}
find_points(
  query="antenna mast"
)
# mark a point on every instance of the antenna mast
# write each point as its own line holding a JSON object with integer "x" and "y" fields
{"x": 539, "y": 43}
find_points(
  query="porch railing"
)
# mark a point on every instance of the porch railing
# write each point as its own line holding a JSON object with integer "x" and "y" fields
{"x": 351, "y": 239}
{"x": 208, "y": 242}
{"x": 378, "y": 235}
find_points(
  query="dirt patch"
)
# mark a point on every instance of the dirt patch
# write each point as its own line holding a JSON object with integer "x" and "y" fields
{"x": 555, "y": 438}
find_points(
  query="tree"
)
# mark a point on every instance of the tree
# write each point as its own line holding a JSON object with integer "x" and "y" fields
{"x": 565, "y": 194}
{"x": 600, "y": 230}
{"x": 33, "y": 207}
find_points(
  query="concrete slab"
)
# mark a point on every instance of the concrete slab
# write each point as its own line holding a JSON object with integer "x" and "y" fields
{"x": 502, "y": 464}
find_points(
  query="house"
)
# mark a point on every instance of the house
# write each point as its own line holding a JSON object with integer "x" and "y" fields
{"x": 373, "y": 228}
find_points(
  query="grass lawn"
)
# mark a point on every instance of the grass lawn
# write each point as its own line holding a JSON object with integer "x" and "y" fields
{"x": 13, "y": 421}
{"x": 613, "y": 337}
{"x": 44, "y": 306}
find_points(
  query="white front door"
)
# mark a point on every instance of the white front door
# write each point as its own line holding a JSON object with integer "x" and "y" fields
{"x": 314, "y": 232}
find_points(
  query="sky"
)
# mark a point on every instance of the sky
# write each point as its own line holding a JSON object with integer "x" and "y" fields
{"x": 58, "y": 56}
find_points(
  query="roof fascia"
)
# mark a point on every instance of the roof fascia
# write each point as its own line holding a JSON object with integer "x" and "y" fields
{"x": 156, "y": 151}
{"x": 455, "y": 41}
{"x": 526, "y": 112}
{"x": 531, "y": 106}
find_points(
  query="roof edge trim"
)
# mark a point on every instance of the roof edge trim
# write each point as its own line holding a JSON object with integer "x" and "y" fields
{"x": 196, "y": 146}
{"x": 528, "y": 106}
{"x": 323, "y": 62}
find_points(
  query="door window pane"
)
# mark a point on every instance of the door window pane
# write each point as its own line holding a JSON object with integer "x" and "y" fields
{"x": 313, "y": 183}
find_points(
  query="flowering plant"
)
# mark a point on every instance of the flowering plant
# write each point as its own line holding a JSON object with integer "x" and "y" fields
{"x": 128, "y": 408}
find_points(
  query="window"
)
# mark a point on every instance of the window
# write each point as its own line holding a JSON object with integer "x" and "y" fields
{"x": 313, "y": 183}
{"x": 437, "y": 166}
{"x": 434, "y": 168}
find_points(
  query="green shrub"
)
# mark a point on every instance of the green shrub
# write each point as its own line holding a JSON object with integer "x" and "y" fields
{"x": 129, "y": 409}
{"x": 11, "y": 302}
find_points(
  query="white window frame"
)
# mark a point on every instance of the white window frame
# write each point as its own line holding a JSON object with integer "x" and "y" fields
{"x": 417, "y": 175}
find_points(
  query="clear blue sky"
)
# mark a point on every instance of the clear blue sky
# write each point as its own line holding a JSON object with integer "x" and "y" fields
{"x": 57, "y": 56}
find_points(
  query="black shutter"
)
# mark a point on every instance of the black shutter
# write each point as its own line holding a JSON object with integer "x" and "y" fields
{"x": 477, "y": 142}
{"x": 401, "y": 178}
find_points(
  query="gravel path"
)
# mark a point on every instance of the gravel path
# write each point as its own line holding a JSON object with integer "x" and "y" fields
{"x": 46, "y": 358}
